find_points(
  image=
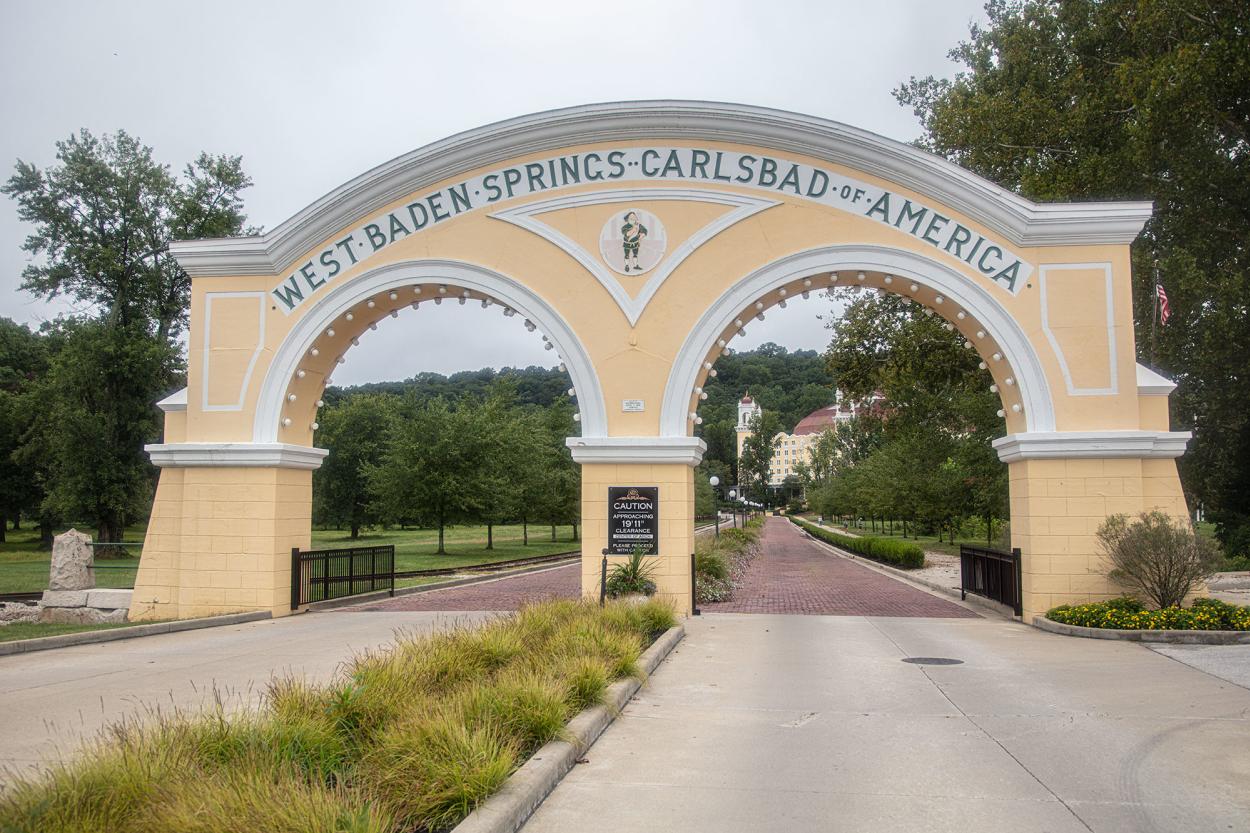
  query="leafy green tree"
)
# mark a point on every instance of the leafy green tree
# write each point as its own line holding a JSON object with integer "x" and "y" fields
{"x": 1120, "y": 99}
{"x": 517, "y": 446}
{"x": 95, "y": 421}
{"x": 434, "y": 469}
{"x": 755, "y": 464}
{"x": 557, "y": 499}
{"x": 23, "y": 362}
{"x": 103, "y": 217}
{"x": 355, "y": 432}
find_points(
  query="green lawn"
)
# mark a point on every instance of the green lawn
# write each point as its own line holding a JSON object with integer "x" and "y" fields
{"x": 24, "y": 567}
{"x": 34, "y": 630}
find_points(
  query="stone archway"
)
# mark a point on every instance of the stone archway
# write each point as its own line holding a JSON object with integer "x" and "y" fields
{"x": 744, "y": 207}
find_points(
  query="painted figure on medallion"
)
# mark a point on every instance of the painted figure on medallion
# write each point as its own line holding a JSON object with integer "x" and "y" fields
{"x": 633, "y": 241}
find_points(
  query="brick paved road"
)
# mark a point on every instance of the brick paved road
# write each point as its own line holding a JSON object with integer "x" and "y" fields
{"x": 795, "y": 575}
{"x": 791, "y": 575}
{"x": 500, "y": 594}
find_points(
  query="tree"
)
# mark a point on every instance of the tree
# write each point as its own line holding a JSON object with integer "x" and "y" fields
{"x": 557, "y": 491}
{"x": 517, "y": 446}
{"x": 755, "y": 464}
{"x": 434, "y": 468}
{"x": 103, "y": 219}
{"x": 95, "y": 420}
{"x": 355, "y": 432}
{"x": 23, "y": 361}
{"x": 1118, "y": 99}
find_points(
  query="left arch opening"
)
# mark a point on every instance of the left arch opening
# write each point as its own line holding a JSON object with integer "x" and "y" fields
{"x": 304, "y": 364}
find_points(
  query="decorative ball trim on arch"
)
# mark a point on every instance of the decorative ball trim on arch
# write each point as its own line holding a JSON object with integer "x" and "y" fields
{"x": 731, "y": 309}
{"x": 340, "y": 305}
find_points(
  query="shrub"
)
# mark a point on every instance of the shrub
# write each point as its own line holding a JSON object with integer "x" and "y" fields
{"x": 1128, "y": 614}
{"x": 1157, "y": 556}
{"x": 903, "y": 554}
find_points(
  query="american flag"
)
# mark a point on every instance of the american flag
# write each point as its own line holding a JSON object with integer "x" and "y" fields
{"x": 1165, "y": 311}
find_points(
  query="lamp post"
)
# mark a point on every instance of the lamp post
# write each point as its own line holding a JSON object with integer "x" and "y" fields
{"x": 715, "y": 483}
{"x": 733, "y": 495}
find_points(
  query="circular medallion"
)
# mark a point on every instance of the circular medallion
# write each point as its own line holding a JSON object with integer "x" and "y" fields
{"x": 633, "y": 241}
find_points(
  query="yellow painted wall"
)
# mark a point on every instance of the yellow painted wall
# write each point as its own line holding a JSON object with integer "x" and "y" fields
{"x": 220, "y": 537}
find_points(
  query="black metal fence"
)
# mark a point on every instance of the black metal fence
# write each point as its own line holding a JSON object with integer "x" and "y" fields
{"x": 320, "y": 575}
{"x": 993, "y": 574}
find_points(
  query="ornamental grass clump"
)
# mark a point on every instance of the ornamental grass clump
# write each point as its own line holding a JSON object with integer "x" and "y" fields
{"x": 632, "y": 578}
{"x": 410, "y": 738}
{"x": 1159, "y": 557}
{"x": 1126, "y": 614}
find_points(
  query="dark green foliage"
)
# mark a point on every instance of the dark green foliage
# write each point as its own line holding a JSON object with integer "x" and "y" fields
{"x": 924, "y": 455}
{"x": 790, "y": 384}
{"x": 886, "y": 550}
{"x": 1120, "y": 99}
{"x": 540, "y": 386}
{"x": 1128, "y": 614}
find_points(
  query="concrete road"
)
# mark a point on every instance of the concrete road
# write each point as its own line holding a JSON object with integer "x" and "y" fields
{"x": 814, "y": 723}
{"x": 51, "y": 700}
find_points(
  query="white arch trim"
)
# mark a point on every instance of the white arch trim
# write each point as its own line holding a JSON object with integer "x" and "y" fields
{"x": 291, "y": 352}
{"x": 998, "y": 324}
{"x": 1018, "y": 220}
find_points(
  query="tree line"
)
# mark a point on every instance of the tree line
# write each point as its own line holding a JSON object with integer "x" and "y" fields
{"x": 407, "y": 458}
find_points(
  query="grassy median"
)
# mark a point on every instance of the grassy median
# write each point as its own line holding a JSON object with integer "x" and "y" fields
{"x": 410, "y": 738}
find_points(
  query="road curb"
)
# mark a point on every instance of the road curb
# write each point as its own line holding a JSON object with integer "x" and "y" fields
{"x": 1177, "y": 637}
{"x": 507, "y": 810}
{"x": 44, "y": 643}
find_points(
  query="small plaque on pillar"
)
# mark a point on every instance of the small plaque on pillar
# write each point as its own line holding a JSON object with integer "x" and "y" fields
{"x": 633, "y": 519}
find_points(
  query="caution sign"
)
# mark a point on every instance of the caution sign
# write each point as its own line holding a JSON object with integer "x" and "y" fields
{"x": 633, "y": 519}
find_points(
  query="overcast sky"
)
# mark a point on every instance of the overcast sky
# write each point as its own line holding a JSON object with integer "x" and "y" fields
{"x": 314, "y": 93}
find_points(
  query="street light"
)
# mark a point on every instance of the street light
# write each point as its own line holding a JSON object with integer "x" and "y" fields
{"x": 733, "y": 495}
{"x": 715, "y": 483}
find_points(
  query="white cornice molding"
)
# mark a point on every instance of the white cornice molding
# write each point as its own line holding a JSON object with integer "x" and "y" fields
{"x": 1091, "y": 444}
{"x": 176, "y": 401}
{"x": 1150, "y": 383}
{"x": 637, "y": 450}
{"x": 1020, "y": 221}
{"x": 220, "y": 455}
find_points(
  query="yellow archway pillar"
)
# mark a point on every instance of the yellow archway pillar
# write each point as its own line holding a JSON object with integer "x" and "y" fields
{"x": 665, "y": 463}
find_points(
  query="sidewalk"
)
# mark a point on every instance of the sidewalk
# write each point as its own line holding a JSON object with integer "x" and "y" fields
{"x": 813, "y": 723}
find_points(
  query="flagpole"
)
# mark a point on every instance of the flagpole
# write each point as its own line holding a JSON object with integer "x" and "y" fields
{"x": 1154, "y": 317}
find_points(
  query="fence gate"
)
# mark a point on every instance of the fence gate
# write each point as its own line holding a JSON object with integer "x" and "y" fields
{"x": 320, "y": 575}
{"x": 994, "y": 574}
